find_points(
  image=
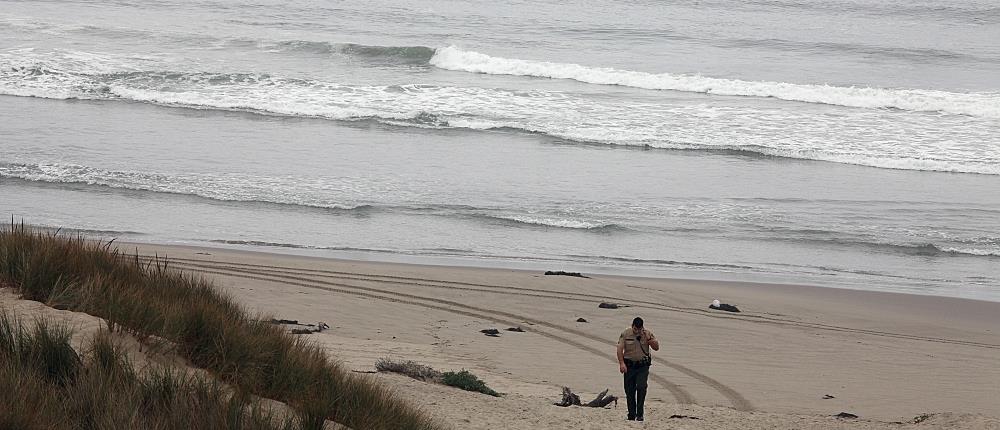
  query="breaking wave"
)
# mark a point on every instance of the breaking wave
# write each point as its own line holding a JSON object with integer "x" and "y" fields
{"x": 915, "y": 249}
{"x": 905, "y": 141}
{"x": 225, "y": 188}
{"x": 972, "y": 104}
{"x": 401, "y": 54}
{"x": 559, "y": 222}
{"x": 278, "y": 191}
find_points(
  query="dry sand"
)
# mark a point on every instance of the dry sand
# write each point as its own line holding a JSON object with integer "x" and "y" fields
{"x": 885, "y": 357}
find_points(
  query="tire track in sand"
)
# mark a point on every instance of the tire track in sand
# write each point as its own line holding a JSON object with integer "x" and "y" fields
{"x": 224, "y": 269}
{"x": 496, "y": 289}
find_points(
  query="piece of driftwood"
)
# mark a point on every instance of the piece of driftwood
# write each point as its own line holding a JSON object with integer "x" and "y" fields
{"x": 491, "y": 332}
{"x": 517, "y": 329}
{"x": 311, "y": 328}
{"x": 320, "y": 326}
{"x": 846, "y": 415}
{"x": 561, "y": 273}
{"x": 602, "y": 400}
{"x": 571, "y": 399}
{"x": 675, "y": 416}
{"x": 568, "y": 398}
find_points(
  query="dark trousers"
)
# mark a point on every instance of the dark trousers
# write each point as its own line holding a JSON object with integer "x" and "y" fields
{"x": 635, "y": 389}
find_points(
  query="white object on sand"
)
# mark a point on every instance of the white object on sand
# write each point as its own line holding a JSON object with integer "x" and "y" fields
{"x": 715, "y": 303}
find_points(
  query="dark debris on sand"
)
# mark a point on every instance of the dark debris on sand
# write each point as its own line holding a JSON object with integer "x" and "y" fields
{"x": 606, "y": 305}
{"x": 571, "y": 399}
{"x": 725, "y": 307}
{"x": 561, "y": 273}
{"x": 307, "y": 328}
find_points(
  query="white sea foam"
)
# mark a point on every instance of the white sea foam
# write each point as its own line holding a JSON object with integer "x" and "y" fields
{"x": 237, "y": 188}
{"x": 974, "y": 104}
{"x": 555, "y": 222}
{"x": 868, "y": 137}
{"x": 973, "y": 251}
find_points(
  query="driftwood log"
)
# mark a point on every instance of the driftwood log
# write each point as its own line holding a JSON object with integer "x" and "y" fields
{"x": 568, "y": 398}
{"x": 309, "y": 328}
{"x": 562, "y": 273}
{"x": 571, "y": 399}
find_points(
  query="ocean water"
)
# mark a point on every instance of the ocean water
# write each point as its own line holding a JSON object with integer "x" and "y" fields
{"x": 843, "y": 143}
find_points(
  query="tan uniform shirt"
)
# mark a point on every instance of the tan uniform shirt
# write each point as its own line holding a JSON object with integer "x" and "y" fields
{"x": 635, "y": 350}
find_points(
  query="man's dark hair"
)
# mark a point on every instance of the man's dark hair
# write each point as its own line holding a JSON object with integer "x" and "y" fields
{"x": 637, "y": 322}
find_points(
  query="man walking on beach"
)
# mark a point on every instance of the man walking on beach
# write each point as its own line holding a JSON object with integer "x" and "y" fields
{"x": 633, "y": 361}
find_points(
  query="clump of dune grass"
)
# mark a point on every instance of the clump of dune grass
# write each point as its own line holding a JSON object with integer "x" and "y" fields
{"x": 467, "y": 381}
{"x": 209, "y": 328}
{"x": 409, "y": 368}
{"x": 462, "y": 379}
{"x": 46, "y": 384}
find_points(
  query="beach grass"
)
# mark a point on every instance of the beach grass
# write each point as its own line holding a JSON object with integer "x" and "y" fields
{"x": 210, "y": 329}
{"x": 409, "y": 368}
{"x": 463, "y": 379}
{"x": 46, "y": 384}
{"x": 467, "y": 381}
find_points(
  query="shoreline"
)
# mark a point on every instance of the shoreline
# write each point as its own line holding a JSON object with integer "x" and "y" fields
{"x": 713, "y": 277}
{"x": 883, "y": 356}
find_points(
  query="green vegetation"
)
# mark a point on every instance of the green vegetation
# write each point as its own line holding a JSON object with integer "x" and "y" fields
{"x": 464, "y": 379}
{"x": 209, "y": 329}
{"x": 47, "y": 385}
{"x": 467, "y": 381}
{"x": 409, "y": 368}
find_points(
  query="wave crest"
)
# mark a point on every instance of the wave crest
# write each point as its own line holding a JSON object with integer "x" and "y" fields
{"x": 559, "y": 222}
{"x": 900, "y": 140}
{"x": 972, "y": 104}
{"x": 274, "y": 191}
{"x": 402, "y": 54}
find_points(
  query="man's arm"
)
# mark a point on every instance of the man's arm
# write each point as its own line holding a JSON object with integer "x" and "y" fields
{"x": 652, "y": 342}
{"x": 621, "y": 357}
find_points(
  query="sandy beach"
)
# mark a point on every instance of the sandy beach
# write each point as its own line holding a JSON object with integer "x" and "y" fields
{"x": 793, "y": 358}
{"x": 404, "y": 174}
